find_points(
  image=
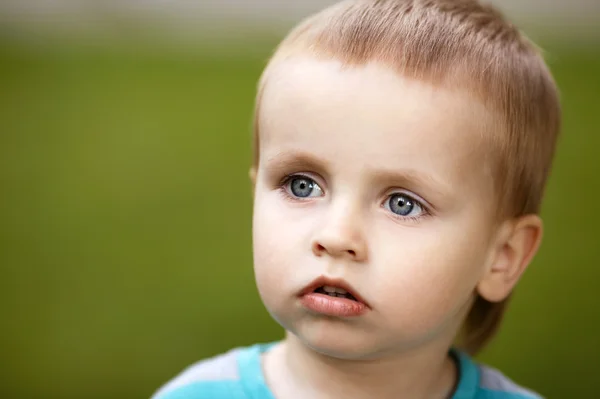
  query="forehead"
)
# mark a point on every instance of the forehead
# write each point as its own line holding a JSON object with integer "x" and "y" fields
{"x": 372, "y": 115}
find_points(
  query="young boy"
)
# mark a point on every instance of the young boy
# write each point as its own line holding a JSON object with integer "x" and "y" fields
{"x": 402, "y": 148}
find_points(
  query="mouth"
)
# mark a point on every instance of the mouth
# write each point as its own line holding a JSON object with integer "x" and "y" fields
{"x": 333, "y": 297}
{"x": 335, "y": 292}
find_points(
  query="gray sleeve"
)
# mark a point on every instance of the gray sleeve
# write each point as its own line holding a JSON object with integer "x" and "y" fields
{"x": 494, "y": 380}
{"x": 219, "y": 368}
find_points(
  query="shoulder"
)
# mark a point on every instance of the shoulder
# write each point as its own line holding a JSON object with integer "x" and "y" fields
{"x": 215, "y": 377}
{"x": 495, "y": 385}
{"x": 479, "y": 381}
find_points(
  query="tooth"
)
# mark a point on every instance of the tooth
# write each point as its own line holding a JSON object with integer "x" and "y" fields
{"x": 341, "y": 291}
{"x": 329, "y": 289}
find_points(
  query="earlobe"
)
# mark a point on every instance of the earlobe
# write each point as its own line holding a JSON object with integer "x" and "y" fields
{"x": 518, "y": 242}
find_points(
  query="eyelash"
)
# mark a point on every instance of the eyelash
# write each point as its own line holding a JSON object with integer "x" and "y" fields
{"x": 285, "y": 191}
{"x": 413, "y": 219}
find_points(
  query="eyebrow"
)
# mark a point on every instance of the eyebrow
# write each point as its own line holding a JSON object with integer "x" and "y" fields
{"x": 412, "y": 180}
{"x": 296, "y": 160}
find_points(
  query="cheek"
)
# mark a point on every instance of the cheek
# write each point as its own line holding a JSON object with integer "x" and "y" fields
{"x": 429, "y": 275}
{"x": 277, "y": 247}
{"x": 266, "y": 247}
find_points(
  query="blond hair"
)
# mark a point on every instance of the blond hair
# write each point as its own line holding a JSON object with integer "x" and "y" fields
{"x": 459, "y": 44}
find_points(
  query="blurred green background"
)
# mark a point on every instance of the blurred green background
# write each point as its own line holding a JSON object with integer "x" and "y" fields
{"x": 125, "y": 220}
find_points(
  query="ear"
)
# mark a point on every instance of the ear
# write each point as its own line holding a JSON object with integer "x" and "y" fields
{"x": 518, "y": 241}
{"x": 252, "y": 175}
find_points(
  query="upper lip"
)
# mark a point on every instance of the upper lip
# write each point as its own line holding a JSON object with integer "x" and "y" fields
{"x": 332, "y": 282}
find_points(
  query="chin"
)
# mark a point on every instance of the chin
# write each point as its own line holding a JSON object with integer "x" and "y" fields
{"x": 340, "y": 339}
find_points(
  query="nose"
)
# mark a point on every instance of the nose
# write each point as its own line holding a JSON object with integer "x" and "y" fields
{"x": 341, "y": 237}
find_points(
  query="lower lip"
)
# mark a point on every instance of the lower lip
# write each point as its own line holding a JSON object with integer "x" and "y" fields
{"x": 332, "y": 306}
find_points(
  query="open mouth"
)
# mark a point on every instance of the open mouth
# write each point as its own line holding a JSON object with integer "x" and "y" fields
{"x": 334, "y": 292}
{"x": 333, "y": 297}
{"x": 333, "y": 288}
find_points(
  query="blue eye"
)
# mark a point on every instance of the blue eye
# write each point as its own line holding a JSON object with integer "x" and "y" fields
{"x": 403, "y": 205}
{"x": 304, "y": 187}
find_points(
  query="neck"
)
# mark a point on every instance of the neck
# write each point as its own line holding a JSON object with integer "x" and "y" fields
{"x": 430, "y": 373}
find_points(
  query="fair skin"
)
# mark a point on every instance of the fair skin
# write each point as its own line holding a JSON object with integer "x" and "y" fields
{"x": 382, "y": 182}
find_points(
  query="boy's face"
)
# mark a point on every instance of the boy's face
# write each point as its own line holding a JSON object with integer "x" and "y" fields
{"x": 377, "y": 182}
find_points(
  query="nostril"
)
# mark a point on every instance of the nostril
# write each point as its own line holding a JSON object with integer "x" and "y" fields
{"x": 335, "y": 250}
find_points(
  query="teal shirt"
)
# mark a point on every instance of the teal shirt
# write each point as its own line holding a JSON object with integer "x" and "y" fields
{"x": 237, "y": 374}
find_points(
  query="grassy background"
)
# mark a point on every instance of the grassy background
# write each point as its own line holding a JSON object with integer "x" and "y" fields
{"x": 125, "y": 217}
